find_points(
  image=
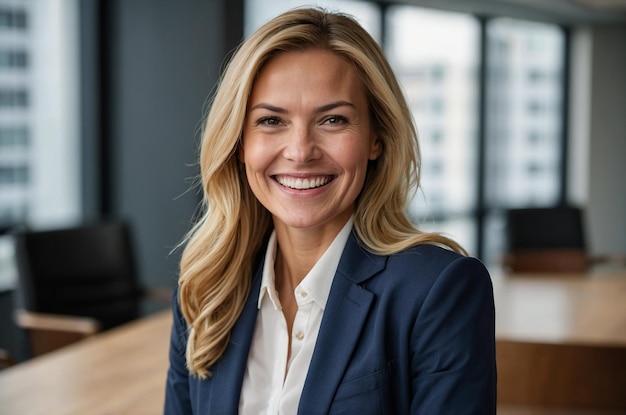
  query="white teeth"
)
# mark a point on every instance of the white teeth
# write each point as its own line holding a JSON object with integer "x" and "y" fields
{"x": 302, "y": 184}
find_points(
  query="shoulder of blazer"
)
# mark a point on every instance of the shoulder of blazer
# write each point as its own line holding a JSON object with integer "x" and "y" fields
{"x": 358, "y": 264}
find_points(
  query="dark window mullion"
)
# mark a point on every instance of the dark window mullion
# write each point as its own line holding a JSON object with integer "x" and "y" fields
{"x": 565, "y": 85}
{"x": 481, "y": 162}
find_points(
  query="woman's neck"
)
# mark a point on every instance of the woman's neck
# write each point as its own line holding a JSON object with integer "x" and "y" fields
{"x": 299, "y": 250}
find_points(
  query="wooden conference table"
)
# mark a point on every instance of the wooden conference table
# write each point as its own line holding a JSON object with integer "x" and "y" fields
{"x": 123, "y": 371}
{"x": 561, "y": 341}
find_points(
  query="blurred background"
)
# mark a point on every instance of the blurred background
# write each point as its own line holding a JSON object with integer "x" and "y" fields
{"x": 518, "y": 104}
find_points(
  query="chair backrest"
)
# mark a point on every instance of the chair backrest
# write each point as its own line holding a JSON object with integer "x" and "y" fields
{"x": 84, "y": 271}
{"x": 546, "y": 239}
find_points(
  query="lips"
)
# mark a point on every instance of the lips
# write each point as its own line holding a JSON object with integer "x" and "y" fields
{"x": 303, "y": 183}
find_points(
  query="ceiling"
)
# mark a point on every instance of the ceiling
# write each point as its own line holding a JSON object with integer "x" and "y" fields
{"x": 571, "y": 12}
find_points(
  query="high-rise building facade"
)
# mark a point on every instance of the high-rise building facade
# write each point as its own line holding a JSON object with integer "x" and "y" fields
{"x": 40, "y": 163}
{"x": 15, "y": 111}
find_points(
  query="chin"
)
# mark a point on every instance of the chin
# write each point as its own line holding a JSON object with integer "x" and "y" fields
{"x": 299, "y": 223}
{"x": 309, "y": 220}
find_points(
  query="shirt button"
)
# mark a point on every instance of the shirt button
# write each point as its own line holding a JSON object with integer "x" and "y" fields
{"x": 303, "y": 293}
{"x": 299, "y": 335}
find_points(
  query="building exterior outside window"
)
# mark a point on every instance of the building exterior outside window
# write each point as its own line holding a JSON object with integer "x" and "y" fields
{"x": 435, "y": 55}
{"x": 15, "y": 112}
{"x": 525, "y": 106}
{"x": 39, "y": 113}
{"x": 524, "y": 136}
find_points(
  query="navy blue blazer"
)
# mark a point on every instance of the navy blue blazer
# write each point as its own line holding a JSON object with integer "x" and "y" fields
{"x": 410, "y": 333}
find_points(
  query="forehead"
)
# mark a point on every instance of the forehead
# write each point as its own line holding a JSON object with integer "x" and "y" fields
{"x": 309, "y": 71}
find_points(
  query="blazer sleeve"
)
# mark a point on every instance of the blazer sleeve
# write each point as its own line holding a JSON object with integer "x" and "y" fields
{"x": 453, "y": 344}
{"x": 177, "y": 396}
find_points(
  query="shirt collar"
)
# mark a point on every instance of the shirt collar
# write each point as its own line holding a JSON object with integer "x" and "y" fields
{"x": 267, "y": 281}
{"x": 318, "y": 281}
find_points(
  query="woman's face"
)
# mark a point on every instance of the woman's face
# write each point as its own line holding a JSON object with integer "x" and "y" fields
{"x": 307, "y": 139}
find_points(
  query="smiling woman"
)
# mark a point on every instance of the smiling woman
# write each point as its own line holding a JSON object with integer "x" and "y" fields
{"x": 304, "y": 287}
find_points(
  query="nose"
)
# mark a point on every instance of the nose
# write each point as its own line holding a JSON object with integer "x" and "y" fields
{"x": 302, "y": 146}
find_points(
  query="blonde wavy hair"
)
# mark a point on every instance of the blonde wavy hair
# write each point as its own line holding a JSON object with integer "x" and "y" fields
{"x": 216, "y": 265}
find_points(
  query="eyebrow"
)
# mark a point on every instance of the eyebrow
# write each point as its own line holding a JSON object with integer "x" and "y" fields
{"x": 323, "y": 108}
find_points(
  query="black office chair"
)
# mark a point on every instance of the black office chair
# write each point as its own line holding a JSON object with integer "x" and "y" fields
{"x": 75, "y": 282}
{"x": 548, "y": 240}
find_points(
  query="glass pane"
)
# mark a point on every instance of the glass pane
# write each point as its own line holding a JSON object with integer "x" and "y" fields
{"x": 39, "y": 122}
{"x": 524, "y": 113}
{"x": 257, "y": 12}
{"x": 435, "y": 56}
{"x": 524, "y": 122}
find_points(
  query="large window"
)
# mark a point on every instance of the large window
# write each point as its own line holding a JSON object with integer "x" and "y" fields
{"x": 523, "y": 120}
{"x": 435, "y": 56}
{"x": 39, "y": 120}
{"x": 524, "y": 113}
{"x": 487, "y": 99}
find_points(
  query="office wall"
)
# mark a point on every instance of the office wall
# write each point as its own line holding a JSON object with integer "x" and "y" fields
{"x": 607, "y": 140}
{"x": 161, "y": 60}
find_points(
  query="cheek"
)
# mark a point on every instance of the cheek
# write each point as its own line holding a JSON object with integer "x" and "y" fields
{"x": 255, "y": 180}
{"x": 257, "y": 159}
{"x": 355, "y": 155}
{"x": 252, "y": 153}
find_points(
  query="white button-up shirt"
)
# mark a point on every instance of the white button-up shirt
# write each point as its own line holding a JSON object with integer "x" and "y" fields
{"x": 274, "y": 378}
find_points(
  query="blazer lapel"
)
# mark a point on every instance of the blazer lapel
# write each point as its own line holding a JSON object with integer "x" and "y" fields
{"x": 345, "y": 313}
{"x": 227, "y": 378}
